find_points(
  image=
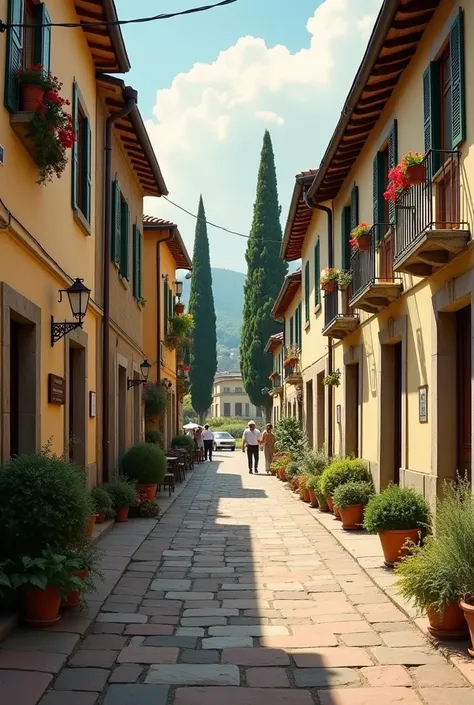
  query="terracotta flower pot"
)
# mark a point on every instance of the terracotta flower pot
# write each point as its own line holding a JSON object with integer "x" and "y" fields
{"x": 302, "y": 495}
{"x": 179, "y": 309}
{"x": 283, "y": 477}
{"x": 393, "y": 542}
{"x": 330, "y": 503}
{"x": 468, "y": 610}
{"x": 364, "y": 242}
{"x": 313, "y": 500}
{"x": 415, "y": 174}
{"x": 121, "y": 514}
{"x": 31, "y": 97}
{"x": 41, "y": 607}
{"x": 101, "y": 517}
{"x": 328, "y": 286}
{"x": 337, "y": 513}
{"x": 352, "y": 516}
{"x": 91, "y": 519}
{"x": 306, "y": 496}
{"x": 147, "y": 491}
{"x": 323, "y": 505}
{"x": 449, "y": 624}
{"x": 74, "y": 597}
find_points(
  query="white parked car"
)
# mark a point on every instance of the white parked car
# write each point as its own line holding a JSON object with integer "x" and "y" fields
{"x": 223, "y": 441}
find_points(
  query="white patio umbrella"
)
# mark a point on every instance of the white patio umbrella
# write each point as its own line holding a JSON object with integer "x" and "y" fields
{"x": 191, "y": 427}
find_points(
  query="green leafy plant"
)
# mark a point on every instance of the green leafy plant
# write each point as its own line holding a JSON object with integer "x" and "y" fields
{"x": 144, "y": 463}
{"x": 341, "y": 471}
{"x": 182, "y": 441}
{"x": 34, "y": 76}
{"x": 333, "y": 380}
{"x": 353, "y": 493}
{"x": 121, "y": 492}
{"x": 329, "y": 277}
{"x": 88, "y": 556}
{"x": 180, "y": 330}
{"x": 412, "y": 159}
{"x": 44, "y": 504}
{"x": 290, "y": 438}
{"x": 397, "y": 508}
{"x": 293, "y": 469}
{"x": 101, "y": 502}
{"x": 149, "y": 509}
{"x": 156, "y": 401}
{"x": 344, "y": 279}
{"x": 315, "y": 461}
{"x": 49, "y": 569}
{"x": 154, "y": 437}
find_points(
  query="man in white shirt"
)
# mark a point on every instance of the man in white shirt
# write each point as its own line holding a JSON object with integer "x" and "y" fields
{"x": 208, "y": 438}
{"x": 250, "y": 441}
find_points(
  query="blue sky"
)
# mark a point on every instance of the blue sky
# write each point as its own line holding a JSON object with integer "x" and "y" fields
{"x": 210, "y": 84}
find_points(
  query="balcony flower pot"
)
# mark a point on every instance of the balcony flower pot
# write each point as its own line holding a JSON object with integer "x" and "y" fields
{"x": 91, "y": 520}
{"x": 415, "y": 174}
{"x": 121, "y": 514}
{"x": 352, "y": 517}
{"x": 31, "y": 97}
{"x": 393, "y": 544}
{"x": 362, "y": 243}
{"x": 468, "y": 610}
{"x": 449, "y": 624}
{"x": 73, "y": 599}
{"x": 147, "y": 491}
{"x": 313, "y": 500}
{"x": 41, "y": 607}
{"x": 179, "y": 309}
{"x": 328, "y": 286}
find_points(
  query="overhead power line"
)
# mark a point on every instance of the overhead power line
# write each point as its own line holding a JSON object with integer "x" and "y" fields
{"x": 137, "y": 20}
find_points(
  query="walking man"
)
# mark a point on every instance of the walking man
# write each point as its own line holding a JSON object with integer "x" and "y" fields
{"x": 208, "y": 438}
{"x": 250, "y": 441}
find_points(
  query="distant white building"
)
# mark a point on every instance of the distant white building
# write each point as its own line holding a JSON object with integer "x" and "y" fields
{"x": 229, "y": 398}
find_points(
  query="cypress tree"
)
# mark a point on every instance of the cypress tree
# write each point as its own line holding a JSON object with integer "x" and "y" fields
{"x": 201, "y": 306}
{"x": 266, "y": 271}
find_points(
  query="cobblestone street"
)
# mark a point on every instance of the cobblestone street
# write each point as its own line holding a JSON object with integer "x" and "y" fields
{"x": 238, "y": 596}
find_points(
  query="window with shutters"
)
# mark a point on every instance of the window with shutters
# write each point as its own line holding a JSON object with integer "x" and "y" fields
{"x": 28, "y": 58}
{"x": 125, "y": 238}
{"x": 226, "y": 409}
{"x": 238, "y": 409}
{"x": 346, "y": 227}
{"x": 445, "y": 89}
{"x": 306, "y": 292}
{"x": 81, "y": 159}
{"x": 137, "y": 247}
{"x": 292, "y": 340}
{"x": 317, "y": 275}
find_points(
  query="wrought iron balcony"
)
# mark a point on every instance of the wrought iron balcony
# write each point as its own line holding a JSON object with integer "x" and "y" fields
{"x": 276, "y": 385}
{"x": 293, "y": 373}
{"x": 339, "y": 318}
{"x": 430, "y": 231}
{"x": 374, "y": 285}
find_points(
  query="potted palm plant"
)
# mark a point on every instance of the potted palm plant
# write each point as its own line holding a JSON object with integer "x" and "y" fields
{"x": 351, "y": 499}
{"x": 399, "y": 515}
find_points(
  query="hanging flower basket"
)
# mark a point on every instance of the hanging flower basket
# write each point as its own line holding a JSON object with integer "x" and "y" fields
{"x": 333, "y": 380}
{"x": 329, "y": 279}
{"x": 361, "y": 238}
{"x": 179, "y": 309}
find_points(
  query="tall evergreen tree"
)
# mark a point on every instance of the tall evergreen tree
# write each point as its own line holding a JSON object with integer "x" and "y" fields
{"x": 266, "y": 271}
{"x": 201, "y": 306}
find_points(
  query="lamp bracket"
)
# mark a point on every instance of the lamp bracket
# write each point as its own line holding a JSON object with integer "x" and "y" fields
{"x": 134, "y": 382}
{"x": 59, "y": 330}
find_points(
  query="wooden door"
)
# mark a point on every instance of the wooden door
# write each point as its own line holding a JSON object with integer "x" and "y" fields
{"x": 397, "y": 412}
{"x": 463, "y": 366}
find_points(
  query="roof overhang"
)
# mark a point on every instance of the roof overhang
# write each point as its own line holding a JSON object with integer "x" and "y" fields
{"x": 175, "y": 245}
{"x": 394, "y": 40}
{"x": 134, "y": 137}
{"x": 274, "y": 342}
{"x": 106, "y": 43}
{"x": 299, "y": 218}
{"x": 287, "y": 293}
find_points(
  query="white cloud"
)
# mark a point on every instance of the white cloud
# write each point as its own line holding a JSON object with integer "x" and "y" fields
{"x": 207, "y": 127}
{"x": 270, "y": 116}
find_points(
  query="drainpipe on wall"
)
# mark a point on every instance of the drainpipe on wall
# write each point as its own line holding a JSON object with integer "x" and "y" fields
{"x": 131, "y": 97}
{"x": 316, "y": 206}
{"x": 159, "y": 289}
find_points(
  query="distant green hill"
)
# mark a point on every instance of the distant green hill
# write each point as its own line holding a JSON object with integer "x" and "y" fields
{"x": 228, "y": 289}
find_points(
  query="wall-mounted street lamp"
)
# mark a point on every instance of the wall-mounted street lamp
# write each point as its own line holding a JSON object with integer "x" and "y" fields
{"x": 78, "y": 296}
{"x": 179, "y": 289}
{"x": 145, "y": 368}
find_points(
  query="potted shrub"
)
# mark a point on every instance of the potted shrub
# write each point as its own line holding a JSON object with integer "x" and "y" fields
{"x": 397, "y": 515}
{"x": 182, "y": 441}
{"x": 303, "y": 487}
{"x": 361, "y": 238}
{"x": 290, "y": 438}
{"x": 88, "y": 557}
{"x": 292, "y": 473}
{"x": 122, "y": 494}
{"x": 43, "y": 581}
{"x": 145, "y": 464}
{"x": 145, "y": 508}
{"x": 292, "y": 356}
{"x": 156, "y": 401}
{"x": 344, "y": 280}
{"x": 341, "y": 471}
{"x": 414, "y": 168}
{"x": 329, "y": 279}
{"x": 33, "y": 83}
{"x": 351, "y": 499}
{"x": 102, "y": 504}
{"x": 332, "y": 380}
{"x": 323, "y": 505}
{"x": 154, "y": 437}
{"x": 312, "y": 484}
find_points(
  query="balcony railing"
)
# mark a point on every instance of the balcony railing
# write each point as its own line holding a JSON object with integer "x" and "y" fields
{"x": 429, "y": 227}
{"x": 292, "y": 372}
{"x": 374, "y": 285}
{"x": 339, "y": 318}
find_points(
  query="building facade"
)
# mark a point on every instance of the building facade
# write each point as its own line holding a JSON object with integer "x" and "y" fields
{"x": 230, "y": 400}
{"x": 400, "y": 336}
{"x": 164, "y": 253}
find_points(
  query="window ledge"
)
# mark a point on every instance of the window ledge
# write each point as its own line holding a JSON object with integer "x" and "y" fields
{"x": 124, "y": 282}
{"x": 307, "y": 325}
{"x": 20, "y": 123}
{"x": 317, "y": 308}
{"x": 81, "y": 221}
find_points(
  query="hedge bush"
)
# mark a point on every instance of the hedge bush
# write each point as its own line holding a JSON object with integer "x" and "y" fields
{"x": 144, "y": 463}
{"x": 154, "y": 437}
{"x": 397, "y": 508}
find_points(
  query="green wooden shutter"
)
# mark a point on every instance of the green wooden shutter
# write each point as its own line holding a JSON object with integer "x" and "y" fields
{"x": 140, "y": 264}
{"x": 292, "y": 340}
{"x": 392, "y": 162}
{"x": 125, "y": 239}
{"x": 75, "y": 149}
{"x": 170, "y": 303}
{"x": 458, "y": 104}
{"x": 135, "y": 261}
{"x": 14, "y": 56}
{"x": 317, "y": 275}
{"x": 116, "y": 222}
{"x": 354, "y": 206}
{"x": 378, "y": 188}
{"x": 43, "y": 37}
{"x": 346, "y": 227}
{"x": 165, "y": 304}
{"x": 300, "y": 324}
{"x": 87, "y": 171}
{"x": 306, "y": 292}
{"x": 432, "y": 114}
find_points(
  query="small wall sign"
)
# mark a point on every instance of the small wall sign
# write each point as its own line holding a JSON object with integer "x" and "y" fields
{"x": 423, "y": 403}
{"x": 338, "y": 413}
{"x": 56, "y": 390}
{"x": 92, "y": 404}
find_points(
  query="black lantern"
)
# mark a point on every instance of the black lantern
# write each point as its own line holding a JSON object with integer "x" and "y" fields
{"x": 78, "y": 295}
{"x": 145, "y": 368}
{"x": 179, "y": 289}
